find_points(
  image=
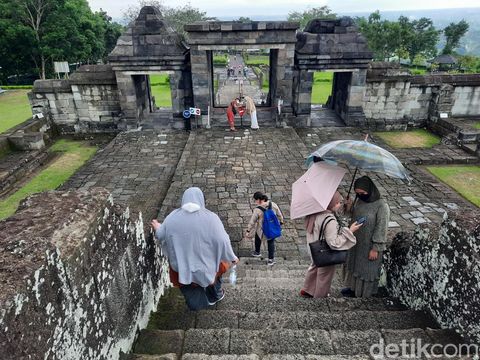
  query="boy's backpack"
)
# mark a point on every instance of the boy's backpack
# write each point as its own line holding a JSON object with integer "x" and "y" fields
{"x": 271, "y": 226}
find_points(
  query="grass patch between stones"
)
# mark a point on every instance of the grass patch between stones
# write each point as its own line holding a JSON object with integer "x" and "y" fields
{"x": 14, "y": 109}
{"x": 418, "y": 138}
{"x": 72, "y": 155}
{"x": 477, "y": 125}
{"x": 464, "y": 179}
{"x": 160, "y": 85}
{"x": 322, "y": 87}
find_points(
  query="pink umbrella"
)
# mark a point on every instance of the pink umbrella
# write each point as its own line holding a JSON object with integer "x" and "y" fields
{"x": 314, "y": 190}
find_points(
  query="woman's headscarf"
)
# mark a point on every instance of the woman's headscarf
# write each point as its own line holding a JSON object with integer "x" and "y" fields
{"x": 310, "y": 219}
{"x": 194, "y": 240}
{"x": 366, "y": 184}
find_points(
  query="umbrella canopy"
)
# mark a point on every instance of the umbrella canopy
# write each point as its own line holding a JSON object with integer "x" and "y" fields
{"x": 362, "y": 155}
{"x": 312, "y": 192}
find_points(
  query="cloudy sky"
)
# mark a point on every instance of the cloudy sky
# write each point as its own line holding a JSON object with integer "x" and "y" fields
{"x": 280, "y": 7}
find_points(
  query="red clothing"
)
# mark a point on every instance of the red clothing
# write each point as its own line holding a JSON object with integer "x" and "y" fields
{"x": 223, "y": 268}
{"x": 230, "y": 114}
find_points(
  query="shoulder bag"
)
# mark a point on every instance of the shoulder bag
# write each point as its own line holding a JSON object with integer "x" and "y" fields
{"x": 322, "y": 254}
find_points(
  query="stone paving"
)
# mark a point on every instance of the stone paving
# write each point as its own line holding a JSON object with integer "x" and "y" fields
{"x": 230, "y": 168}
{"x": 425, "y": 199}
{"x": 136, "y": 167}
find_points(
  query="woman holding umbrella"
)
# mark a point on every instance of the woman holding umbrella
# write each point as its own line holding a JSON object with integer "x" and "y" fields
{"x": 324, "y": 225}
{"x": 365, "y": 259}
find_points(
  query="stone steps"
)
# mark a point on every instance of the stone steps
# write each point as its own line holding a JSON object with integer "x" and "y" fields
{"x": 271, "y": 300}
{"x": 264, "y": 315}
{"x": 279, "y": 341}
{"x": 295, "y": 320}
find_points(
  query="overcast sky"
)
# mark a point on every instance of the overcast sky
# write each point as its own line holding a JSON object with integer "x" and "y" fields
{"x": 279, "y": 7}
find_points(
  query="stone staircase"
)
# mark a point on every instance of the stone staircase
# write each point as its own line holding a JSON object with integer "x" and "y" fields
{"x": 459, "y": 131}
{"x": 263, "y": 317}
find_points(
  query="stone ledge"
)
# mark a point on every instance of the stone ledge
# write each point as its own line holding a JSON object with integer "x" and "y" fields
{"x": 77, "y": 276}
{"x": 227, "y": 26}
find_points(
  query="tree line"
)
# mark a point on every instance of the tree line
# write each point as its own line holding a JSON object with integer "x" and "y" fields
{"x": 413, "y": 39}
{"x": 35, "y": 33}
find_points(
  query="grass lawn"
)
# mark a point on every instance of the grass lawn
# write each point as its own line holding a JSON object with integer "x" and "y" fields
{"x": 160, "y": 84}
{"x": 477, "y": 125}
{"x": 220, "y": 60}
{"x": 257, "y": 60}
{"x": 322, "y": 87}
{"x": 418, "y": 138}
{"x": 73, "y": 154}
{"x": 14, "y": 109}
{"x": 464, "y": 179}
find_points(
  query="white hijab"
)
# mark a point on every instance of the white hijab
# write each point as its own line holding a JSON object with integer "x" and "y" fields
{"x": 194, "y": 240}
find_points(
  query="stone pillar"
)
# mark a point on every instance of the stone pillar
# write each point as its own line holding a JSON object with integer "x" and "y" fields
{"x": 354, "y": 115}
{"x": 302, "y": 92}
{"x": 176, "y": 92}
{"x": 283, "y": 76}
{"x": 201, "y": 80}
{"x": 128, "y": 97}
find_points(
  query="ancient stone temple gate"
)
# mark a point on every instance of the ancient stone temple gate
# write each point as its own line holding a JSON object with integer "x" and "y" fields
{"x": 117, "y": 96}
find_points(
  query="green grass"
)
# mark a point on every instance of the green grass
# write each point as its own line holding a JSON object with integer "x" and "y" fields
{"x": 14, "y": 109}
{"x": 322, "y": 87}
{"x": 16, "y": 87}
{"x": 418, "y": 138}
{"x": 418, "y": 71}
{"x": 72, "y": 155}
{"x": 220, "y": 60}
{"x": 257, "y": 60}
{"x": 160, "y": 84}
{"x": 464, "y": 179}
{"x": 477, "y": 125}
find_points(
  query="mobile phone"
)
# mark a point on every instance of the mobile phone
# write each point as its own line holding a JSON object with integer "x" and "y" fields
{"x": 361, "y": 220}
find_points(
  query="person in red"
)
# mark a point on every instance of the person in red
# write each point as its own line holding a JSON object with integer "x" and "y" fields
{"x": 231, "y": 111}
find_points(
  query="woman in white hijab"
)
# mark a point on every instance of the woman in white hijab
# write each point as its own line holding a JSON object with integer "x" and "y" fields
{"x": 198, "y": 250}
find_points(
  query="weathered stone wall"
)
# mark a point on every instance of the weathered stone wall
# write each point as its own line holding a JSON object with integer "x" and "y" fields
{"x": 438, "y": 269}
{"x": 54, "y": 99}
{"x": 395, "y": 99}
{"x": 78, "y": 277}
{"x": 96, "y": 98}
{"x": 87, "y": 102}
{"x": 467, "y": 101}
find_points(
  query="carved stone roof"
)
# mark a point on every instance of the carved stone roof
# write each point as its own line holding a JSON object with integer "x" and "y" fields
{"x": 148, "y": 39}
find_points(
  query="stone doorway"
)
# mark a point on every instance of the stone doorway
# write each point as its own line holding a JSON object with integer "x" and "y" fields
{"x": 241, "y": 73}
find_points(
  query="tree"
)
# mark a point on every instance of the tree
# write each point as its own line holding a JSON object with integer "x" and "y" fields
{"x": 382, "y": 36}
{"x": 402, "y": 38}
{"x": 113, "y": 31}
{"x": 419, "y": 37}
{"x": 38, "y": 32}
{"x": 176, "y": 17}
{"x": 469, "y": 63}
{"x": 453, "y": 33}
{"x": 323, "y": 12}
{"x": 243, "y": 19}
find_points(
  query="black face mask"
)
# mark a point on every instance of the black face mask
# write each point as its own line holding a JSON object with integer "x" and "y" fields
{"x": 364, "y": 197}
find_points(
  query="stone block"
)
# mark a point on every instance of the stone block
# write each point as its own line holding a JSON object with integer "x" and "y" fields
{"x": 210, "y": 341}
{"x": 160, "y": 342}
